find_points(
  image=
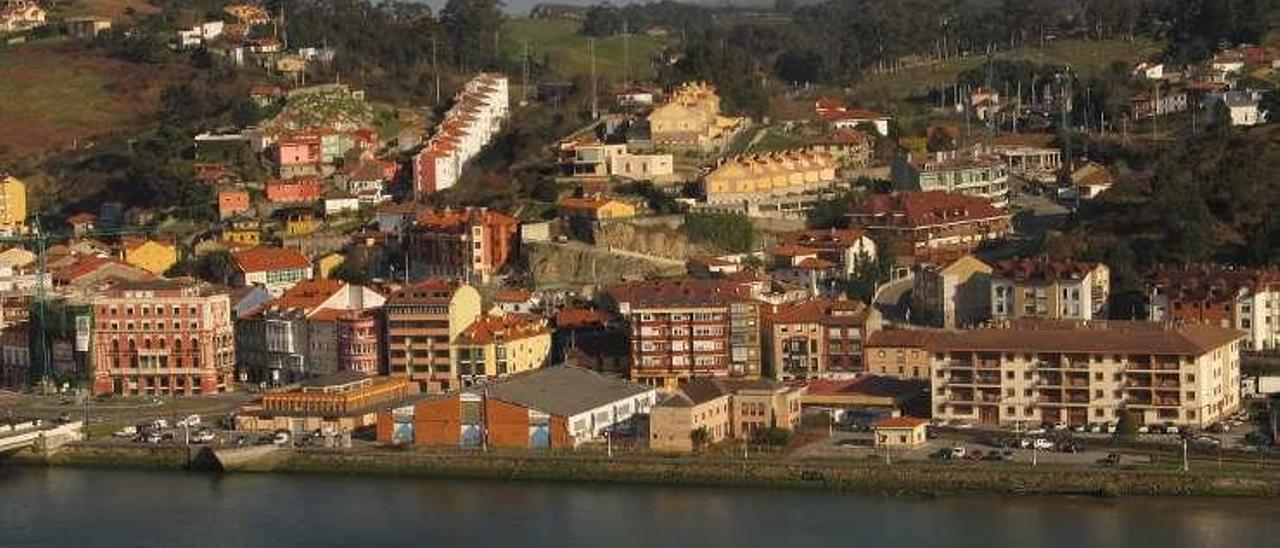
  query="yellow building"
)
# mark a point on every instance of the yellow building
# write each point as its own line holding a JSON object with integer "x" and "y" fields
{"x": 13, "y": 204}
{"x": 246, "y": 232}
{"x": 762, "y": 176}
{"x": 691, "y": 119}
{"x": 153, "y": 256}
{"x": 325, "y": 265}
{"x": 900, "y": 432}
{"x": 499, "y": 345}
{"x": 595, "y": 208}
{"x": 300, "y": 223}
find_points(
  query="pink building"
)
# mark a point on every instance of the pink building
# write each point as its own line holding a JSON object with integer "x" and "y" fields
{"x": 292, "y": 191}
{"x": 162, "y": 338}
{"x": 299, "y": 150}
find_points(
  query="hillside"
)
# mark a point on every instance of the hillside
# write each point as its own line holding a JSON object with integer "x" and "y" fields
{"x": 568, "y": 53}
{"x": 1086, "y": 57}
{"x": 57, "y": 95}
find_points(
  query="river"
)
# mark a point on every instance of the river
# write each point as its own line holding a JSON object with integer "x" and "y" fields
{"x": 117, "y": 509}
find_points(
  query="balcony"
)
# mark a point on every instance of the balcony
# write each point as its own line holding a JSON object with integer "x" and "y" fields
{"x": 988, "y": 364}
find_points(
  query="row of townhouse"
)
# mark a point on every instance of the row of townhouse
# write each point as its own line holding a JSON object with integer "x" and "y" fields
{"x": 476, "y": 116}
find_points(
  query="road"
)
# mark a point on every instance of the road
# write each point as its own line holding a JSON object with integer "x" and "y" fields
{"x": 893, "y": 300}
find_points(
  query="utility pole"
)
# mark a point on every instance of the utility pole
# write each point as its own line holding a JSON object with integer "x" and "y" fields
{"x": 1185, "y": 465}
{"x": 626, "y": 52}
{"x": 524, "y": 70}
{"x": 595, "y": 106}
{"x": 435, "y": 68}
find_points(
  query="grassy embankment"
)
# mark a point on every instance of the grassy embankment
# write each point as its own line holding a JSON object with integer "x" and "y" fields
{"x": 870, "y": 477}
{"x": 568, "y": 54}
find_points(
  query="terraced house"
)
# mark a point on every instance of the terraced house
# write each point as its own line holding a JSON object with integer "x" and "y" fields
{"x": 1079, "y": 373}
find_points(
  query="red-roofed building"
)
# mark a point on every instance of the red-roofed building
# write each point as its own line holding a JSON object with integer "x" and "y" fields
{"x": 929, "y": 221}
{"x": 900, "y": 432}
{"x": 690, "y": 328}
{"x": 88, "y": 271}
{"x": 515, "y": 301}
{"x": 817, "y": 339}
{"x": 495, "y": 346}
{"x": 299, "y": 154}
{"x": 462, "y": 243}
{"x": 835, "y": 113}
{"x": 1049, "y": 288}
{"x": 232, "y": 203}
{"x": 422, "y": 319}
{"x": 276, "y": 269}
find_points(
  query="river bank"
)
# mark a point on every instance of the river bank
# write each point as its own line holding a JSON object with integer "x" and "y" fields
{"x": 907, "y": 479}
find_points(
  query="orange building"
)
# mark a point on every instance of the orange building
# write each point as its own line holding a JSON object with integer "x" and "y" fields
{"x": 341, "y": 401}
{"x": 462, "y": 242}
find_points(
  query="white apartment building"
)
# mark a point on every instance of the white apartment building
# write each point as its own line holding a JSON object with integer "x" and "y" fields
{"x": 1057, "y": 372}
{"x": 475, "y": 117}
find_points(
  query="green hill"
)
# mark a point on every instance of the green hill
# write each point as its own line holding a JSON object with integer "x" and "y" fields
{"x": 567, "y": 51}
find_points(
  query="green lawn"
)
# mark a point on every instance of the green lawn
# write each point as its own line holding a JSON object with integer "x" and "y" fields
{"x": 568, "y": 54}
{"x": 1086, "y": 57}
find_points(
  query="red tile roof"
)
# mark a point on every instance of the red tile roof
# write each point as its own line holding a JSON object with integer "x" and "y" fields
{"x": 901, "y": 422}
{"x": 512, "y": 296}
{"x": 688, "y": 291}
{"x": 260, "y": 259}
{"x": 507, "y": 327}
{"x": 921, "y": 209}
{"x": 1043, "y": 268}
{"x": 428, "y": 291}
{"x": 580, "y": 317}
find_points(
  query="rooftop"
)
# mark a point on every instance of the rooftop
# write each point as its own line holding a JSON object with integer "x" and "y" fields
{"x": 920, "y": 209}
{"x": 563, "y": 390}
{"x": 259, "y": 259}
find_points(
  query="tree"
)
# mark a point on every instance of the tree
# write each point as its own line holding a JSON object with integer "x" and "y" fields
{"x": 729, "y": 232}
{"x": 1127, "y": 427}
{"x": 700, "y": 437}
{"x": 472, "y": 27}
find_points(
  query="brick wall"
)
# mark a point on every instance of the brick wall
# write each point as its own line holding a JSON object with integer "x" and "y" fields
{"x": 438, "y": 422}
{"x": 508, "y": 424}
{"x": 386, "y": 427}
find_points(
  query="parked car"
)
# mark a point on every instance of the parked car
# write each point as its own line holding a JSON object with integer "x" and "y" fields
{"x": 1060, "y": 425}
{"x": 1209, "y": 441}
{"x": 1220, "y": 428}
{"x": 1111, "y": 428}
{"x": 1144, "y": 429}
{"x": 191, "y": 421}
{"x": 281, "y": 437}
{"x": 1112, "y": 459}
{"x": 126, "y": 432}
{"x": 957, "y": 452}
{"x": 64, "y": 418}
{"x": 266, "y": 439}
{"x": 1171, "y": 429}
{"x": 160, "y": 424}
{"x": 1042, "y": 444}
{"x": 1036, "y": 432}
{"x": 203, "y": 436}
{"x": 1069, "y": 447}
{"x": 1096, "y": 428}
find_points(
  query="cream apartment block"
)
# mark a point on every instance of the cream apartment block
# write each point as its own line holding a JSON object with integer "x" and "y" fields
{"x": 1036, "y": 372}
{"x": 1052, "y": 289}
